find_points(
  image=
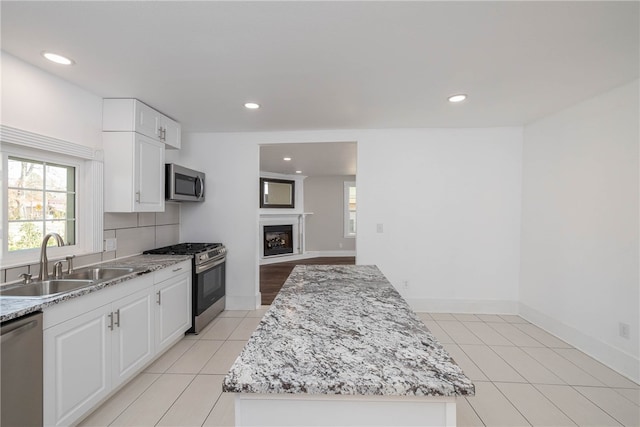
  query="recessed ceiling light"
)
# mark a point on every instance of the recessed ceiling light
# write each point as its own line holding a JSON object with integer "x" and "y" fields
{"x": 457, "y": 98}
{"x": 298, "y": 171}
{"x": 287, "y": 159}
{"x": 251, "y": 105}
{"x": 58, "y": 59}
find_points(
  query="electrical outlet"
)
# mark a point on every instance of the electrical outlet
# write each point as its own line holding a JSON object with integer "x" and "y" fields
{"x": 405, "y": 283}
{"x": 110, "y": 244}
{"x": 379, "y": 228}
{"x": 624, "y": 330}
{"x": 340, "y": 245}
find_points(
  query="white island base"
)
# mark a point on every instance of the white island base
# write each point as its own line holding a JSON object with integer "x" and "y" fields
{"x": 255, "y": 409}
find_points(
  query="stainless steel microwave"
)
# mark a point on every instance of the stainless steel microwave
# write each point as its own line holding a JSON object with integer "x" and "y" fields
{"x": 184, "y": 185}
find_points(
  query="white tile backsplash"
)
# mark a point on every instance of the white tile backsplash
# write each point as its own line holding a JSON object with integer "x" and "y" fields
{"x": 171, "y": 214}
{"x": 83, "y": 260}
{"x": 134, "y": 232}
{"x": 167, "y": 235}
{"x": 120, "y": 220}
{"x": 13, "y": 274}
{"x": 146, "y": 219}
{"x": 133, "y": 241}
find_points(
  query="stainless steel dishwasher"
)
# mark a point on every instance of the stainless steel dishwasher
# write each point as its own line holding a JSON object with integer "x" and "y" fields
{"x": 21, "y": 371}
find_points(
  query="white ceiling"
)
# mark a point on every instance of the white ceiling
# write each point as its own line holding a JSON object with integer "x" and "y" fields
{"x": 334, "y": 65}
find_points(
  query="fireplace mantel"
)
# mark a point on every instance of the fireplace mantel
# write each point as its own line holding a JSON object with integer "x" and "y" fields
{"x": 271, "y": 214}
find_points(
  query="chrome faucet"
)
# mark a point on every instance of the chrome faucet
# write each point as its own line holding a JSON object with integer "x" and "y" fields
{"x": 44, "y": 268}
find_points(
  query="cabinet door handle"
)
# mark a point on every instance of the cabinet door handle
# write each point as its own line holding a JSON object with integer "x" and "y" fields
{"x": 159, "y": 297}
{"x": 164, "y": 134}
{"x": 160, "y": 132}
{"x": 117, "y": 321}
{"x": 110, "y": 325}
{"x": 137, "y": 196}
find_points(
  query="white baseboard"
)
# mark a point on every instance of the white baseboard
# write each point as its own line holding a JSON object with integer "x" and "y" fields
{"x": 622, "y": 362}
{"x": 321, "y": 254}
{"x": 284, "y": 258}
{"x": 309, "y": 254}
{"x": 463, "y": 306}
{"x": 248, "y": 302}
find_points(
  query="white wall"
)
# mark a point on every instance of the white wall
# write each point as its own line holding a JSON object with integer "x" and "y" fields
{"x": 324, "y": 196}
{"x": 229, "y": 213}
{"x": 449, "y": 201}
{"x": 449, "y": 204}
{"x": 579, "y": 274}
{"x": 40, "y": 102}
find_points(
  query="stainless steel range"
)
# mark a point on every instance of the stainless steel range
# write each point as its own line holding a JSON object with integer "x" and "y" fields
{"x": 208, "y": 279}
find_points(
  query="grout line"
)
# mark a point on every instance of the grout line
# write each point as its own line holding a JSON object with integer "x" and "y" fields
{"x": 512, "y": 404}
{"x": 552, "y": 402}
{"x": 176, "y": 399}
{"x": 474, "y": 411}
{"x": 585, "y": 369}
{"x": 126, "y": 407}
{"x": 497, "y": 332}
{"x": 616, "y": 389}
{"x": 598, "y": 406}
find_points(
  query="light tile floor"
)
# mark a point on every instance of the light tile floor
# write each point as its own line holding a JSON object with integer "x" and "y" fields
{"x": 524, "y": 376}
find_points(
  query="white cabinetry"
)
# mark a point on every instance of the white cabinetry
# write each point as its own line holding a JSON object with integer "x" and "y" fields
{"x": 77, "y": 366}
{"x": 131, "y": 115}
{"x": 171, "y": 132}
{"x": 134, "y": 173}
{"x": 173, "y": 311}
{"x": 132, "y": 339}
{"x": 94, "y": 343}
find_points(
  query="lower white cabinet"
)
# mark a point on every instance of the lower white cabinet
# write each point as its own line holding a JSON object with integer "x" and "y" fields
{"x": 173, "y": 313}
{"x": 94, "y": 343}
{"x": 132, "y": 339}
{"x": 77, "y": 366}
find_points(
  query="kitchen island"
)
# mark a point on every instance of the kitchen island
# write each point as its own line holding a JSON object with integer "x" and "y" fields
{"x": 340, "y": 346}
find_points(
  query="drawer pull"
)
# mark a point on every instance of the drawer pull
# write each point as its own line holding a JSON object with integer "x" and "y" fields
{"x": 177, "y": 269}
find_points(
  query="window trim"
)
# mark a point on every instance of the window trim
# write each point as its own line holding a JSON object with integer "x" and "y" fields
{"x": 89, "y": 191}
{"x": 346, "y": 211}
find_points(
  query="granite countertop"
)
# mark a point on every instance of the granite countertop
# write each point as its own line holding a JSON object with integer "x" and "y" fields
{"x": 344, "y": 330}
{"x": 11, "y": 308}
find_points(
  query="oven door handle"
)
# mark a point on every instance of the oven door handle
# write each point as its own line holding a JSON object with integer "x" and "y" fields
{"x": 209, "y": 265}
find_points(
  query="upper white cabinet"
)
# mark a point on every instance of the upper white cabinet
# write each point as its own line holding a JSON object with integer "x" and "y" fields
{"x": 133, "y": 172}
{"x": 131, "y": 115}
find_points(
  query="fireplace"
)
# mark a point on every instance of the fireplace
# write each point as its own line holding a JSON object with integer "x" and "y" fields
{"x": 278, "y": 239}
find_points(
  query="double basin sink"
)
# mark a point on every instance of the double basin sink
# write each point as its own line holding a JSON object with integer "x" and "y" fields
{"x": 68, "y": 282}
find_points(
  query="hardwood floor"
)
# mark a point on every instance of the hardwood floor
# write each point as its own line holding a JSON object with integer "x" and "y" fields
{"x": 273, "y": 276}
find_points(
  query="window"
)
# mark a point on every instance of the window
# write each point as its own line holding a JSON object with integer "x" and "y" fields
{"x": 41, "y": 199}
{"x": 48, "y": 185}
{"x": 349, "y": 209}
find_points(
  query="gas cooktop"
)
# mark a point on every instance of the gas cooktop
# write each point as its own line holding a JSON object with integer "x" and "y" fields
{"x": 205, "y": 251}
{"x": 184, "y": 249}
